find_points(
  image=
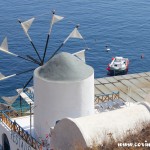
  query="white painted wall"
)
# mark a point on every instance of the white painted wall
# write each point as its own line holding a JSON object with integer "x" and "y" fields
{"x": 15, "y": 141}
{"x": 55, "y": 100}
{"x": 84, "y": 130}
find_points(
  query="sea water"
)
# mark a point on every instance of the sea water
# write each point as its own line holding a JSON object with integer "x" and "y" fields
{"x": 124, "y": 26}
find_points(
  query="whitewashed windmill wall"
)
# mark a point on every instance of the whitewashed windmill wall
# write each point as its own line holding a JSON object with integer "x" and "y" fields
{"x": 64, "y": 87}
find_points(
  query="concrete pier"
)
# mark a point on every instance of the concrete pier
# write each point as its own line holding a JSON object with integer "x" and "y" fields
{"x": 132, "y": 87}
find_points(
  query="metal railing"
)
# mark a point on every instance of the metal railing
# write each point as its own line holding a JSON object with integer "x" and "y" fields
{"x": 13, "y": 113}
{"x": 20, "y": 131}
{"x": 106, "y": 97}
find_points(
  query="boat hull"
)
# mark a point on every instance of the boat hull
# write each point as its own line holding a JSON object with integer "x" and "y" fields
{"x": 117, "y": 72}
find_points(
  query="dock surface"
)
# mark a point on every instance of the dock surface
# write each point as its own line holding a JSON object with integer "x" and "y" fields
{"x": 132, "y": 87}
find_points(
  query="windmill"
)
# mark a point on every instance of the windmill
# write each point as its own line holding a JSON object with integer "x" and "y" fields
{"x": 41, "y": 59}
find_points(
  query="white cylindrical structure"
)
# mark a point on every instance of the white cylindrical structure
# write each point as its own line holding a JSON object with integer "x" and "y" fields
{"x": 84, "y": 131}
{"x": 64, "y": 87}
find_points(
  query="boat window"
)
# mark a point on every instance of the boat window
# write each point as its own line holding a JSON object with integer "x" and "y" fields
{"x": 117, "y": 60}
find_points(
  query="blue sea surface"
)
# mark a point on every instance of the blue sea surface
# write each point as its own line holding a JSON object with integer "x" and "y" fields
{"x": 122, "y": 25}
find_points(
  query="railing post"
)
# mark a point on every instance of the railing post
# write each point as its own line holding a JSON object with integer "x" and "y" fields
{"x": 118, "y": 95}
{"x": 11, "y": 125}
{"x": 1, "y": 113}
{"x": 2, "y": 117}
{"x": 6, "y": 120}
{"x": 14, "y": 126}
{"x": 19, "y": 130}
{"x": 30, "y": 119}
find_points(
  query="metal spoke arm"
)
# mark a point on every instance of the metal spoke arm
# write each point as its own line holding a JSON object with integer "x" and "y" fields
{"x": 31, "y": 43}
{"x": 48, "y": 36}
{"x": 62, "y": 44}
{"x": 33, "y": 60}
{"x": 25, "y": 71}
{"x": 27, "y": 83}
{"x": 13, "y": 75}
{"x": 30, "y": 60}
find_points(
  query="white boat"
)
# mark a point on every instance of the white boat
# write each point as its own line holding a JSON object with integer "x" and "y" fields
{"x": 119, "y": 65}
